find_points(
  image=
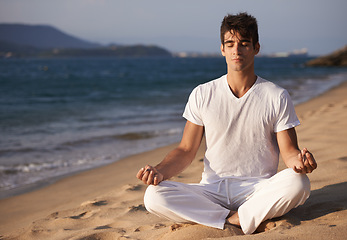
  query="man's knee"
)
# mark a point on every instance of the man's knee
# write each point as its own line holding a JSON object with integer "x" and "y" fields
{"x": 151, "y": 198}
{"x": 155, "y": 198}
{"x": 299, "y": 186}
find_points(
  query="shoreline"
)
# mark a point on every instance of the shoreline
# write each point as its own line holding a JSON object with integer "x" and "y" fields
{"x": 51, "y": 151}
{"x": 66, "y": 193}
{"x": 49, "y": 181}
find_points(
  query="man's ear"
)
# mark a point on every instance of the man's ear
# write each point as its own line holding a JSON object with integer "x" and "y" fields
{"x": 257, "y": 48}
{"x": 222, "y": 49}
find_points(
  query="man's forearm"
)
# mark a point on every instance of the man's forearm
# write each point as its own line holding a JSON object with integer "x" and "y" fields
{"x": 291, "y": 159}
{"x": 175, "y": 162}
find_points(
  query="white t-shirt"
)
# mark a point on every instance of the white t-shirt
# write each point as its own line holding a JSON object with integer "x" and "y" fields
{"x": 240, "y": 132}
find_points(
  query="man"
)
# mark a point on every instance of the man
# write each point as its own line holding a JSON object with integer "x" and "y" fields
{"x": 247, "y": 122}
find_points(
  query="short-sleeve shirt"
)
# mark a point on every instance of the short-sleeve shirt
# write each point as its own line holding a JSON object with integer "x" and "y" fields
{"x": 240, "y": 132}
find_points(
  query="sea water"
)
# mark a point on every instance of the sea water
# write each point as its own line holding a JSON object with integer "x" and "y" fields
{"x": 61, "y": 116}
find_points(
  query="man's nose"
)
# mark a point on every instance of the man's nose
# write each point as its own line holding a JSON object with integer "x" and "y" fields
{"x": 236, "y": 50}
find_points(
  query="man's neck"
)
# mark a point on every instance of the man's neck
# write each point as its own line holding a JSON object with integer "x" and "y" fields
{"x": 239, "y": 82}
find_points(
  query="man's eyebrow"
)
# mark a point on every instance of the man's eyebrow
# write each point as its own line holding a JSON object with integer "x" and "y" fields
{"x": 232, "y": 41}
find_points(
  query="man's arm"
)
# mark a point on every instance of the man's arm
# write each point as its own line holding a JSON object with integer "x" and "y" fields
{"x": 300, "y": 161}
{"x": 177, "y": 160}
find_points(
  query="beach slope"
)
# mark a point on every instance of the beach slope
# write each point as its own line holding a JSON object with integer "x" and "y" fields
{"x": 107, "y": 203}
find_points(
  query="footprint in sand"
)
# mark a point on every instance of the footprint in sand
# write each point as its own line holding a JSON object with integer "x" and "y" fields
{"x": 159, "y": 225}
{"x": 102, "y": 227}
{"x": 103, "y": 235}
{"x": 137, "y": 208}
{"x": 266, "y": 226}
{"x": 100, "y": 203}
{"x": 326, "y": 107}
{"x": 343, "y": 158}
{"x": 177, "y": 226}
{"x": 95, "y": 203}
{"x": 79, "y": 216}
{"x": 54, "y": 215}
{"x": 181, "y": 231}
{"x": 285, "y": 222}
{"x": 84, "y": 215}
{"x": 131, "y": 187}
{"x": 149, "y": 227}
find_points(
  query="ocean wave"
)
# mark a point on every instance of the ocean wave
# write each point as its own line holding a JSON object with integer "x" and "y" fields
{"x": 31, "y": 167}
{"x": 28, "y": 173}
{"x": 127, "y": 136}
{"x": 74, "y": 156}
{"x": 11, "y": 151}
{"x": 94, "y": 140}
{"x": 313, "y": 87}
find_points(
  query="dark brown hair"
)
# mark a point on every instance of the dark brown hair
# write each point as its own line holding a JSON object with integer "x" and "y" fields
{"x": 243, "y": 24}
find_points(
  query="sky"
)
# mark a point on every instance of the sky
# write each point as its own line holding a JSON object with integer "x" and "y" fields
{"x": 189, "y": 25}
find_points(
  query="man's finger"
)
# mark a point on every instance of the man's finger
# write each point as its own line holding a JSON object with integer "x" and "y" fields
{"x": 311, "y": 160}
{"x": 307, "y": 165}
{"x": 307, "y": 168}
{"x": 150, "y": 178}
{"x": 145, "y": 177}
{"x": 147, "y": 167}
{"x": 155, "y": 181}
{"x": 303, "y": 155}
{"x": 140, "y": 173}
{"x": 296, "y": 170}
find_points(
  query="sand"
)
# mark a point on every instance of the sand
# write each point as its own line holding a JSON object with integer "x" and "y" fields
{"x": 107, "y": 203}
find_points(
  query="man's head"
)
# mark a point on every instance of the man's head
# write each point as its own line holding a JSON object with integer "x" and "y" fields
{"x": 243, "y": 24}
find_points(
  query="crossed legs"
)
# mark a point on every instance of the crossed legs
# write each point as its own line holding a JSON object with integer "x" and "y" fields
{"x": 205, "y": 204}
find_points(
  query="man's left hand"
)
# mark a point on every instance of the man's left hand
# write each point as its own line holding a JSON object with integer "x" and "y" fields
{"x": 309, "y": 163}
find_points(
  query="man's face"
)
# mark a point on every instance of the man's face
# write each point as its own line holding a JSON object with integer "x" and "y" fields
{"x": 239, "y": 52}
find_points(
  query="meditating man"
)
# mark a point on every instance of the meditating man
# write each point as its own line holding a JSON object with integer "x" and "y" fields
{"x": 247, "y": 122}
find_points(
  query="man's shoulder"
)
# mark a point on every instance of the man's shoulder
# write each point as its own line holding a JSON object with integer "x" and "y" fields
{"x": 212, "y": 84}
{"x": 268, "y": 86}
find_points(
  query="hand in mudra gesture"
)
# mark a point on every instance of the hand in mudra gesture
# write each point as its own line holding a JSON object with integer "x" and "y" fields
{"x": 150, "y": 175}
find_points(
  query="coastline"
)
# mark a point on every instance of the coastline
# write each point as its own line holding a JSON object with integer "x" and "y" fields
{"x": 109, "y": 124}
{"x": 323, "y": 131}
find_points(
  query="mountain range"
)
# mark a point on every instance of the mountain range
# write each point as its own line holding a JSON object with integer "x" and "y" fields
{"x": 21, "y": 40}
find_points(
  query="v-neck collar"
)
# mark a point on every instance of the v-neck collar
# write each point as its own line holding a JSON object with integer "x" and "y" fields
{"x": 231, "y": 94}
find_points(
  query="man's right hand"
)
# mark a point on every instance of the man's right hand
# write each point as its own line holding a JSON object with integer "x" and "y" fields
{"x": 149, "y": 175}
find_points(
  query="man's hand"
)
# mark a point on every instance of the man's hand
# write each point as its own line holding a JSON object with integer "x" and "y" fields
{"x": 300, "y": 161}
{"x": 149, "y": 175}
{"x": 177, "y": 159}
{"x": 305, "y": 162}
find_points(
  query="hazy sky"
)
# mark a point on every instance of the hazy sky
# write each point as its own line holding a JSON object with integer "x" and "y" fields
{"x": 189, "y": 25}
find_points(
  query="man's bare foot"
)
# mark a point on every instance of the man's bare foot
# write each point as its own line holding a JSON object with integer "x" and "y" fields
{"x": 266, "y": 226}
{"x": 233, "y": 219}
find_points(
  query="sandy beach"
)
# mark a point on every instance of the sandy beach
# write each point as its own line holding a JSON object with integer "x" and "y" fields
{"x": 107, "y": 202}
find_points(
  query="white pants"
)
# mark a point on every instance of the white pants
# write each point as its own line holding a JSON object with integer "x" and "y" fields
{"x": 255, "y": 200}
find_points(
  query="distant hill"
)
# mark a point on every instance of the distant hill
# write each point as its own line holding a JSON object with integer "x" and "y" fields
{"x": 19, "y": 40}
{"x": 41, "y": 36}
{"x": 337, "y": 58}
{"x": 121, "y": 51}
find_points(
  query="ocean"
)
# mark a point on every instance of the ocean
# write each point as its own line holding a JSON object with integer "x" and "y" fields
{"x": 62, "y": 116}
